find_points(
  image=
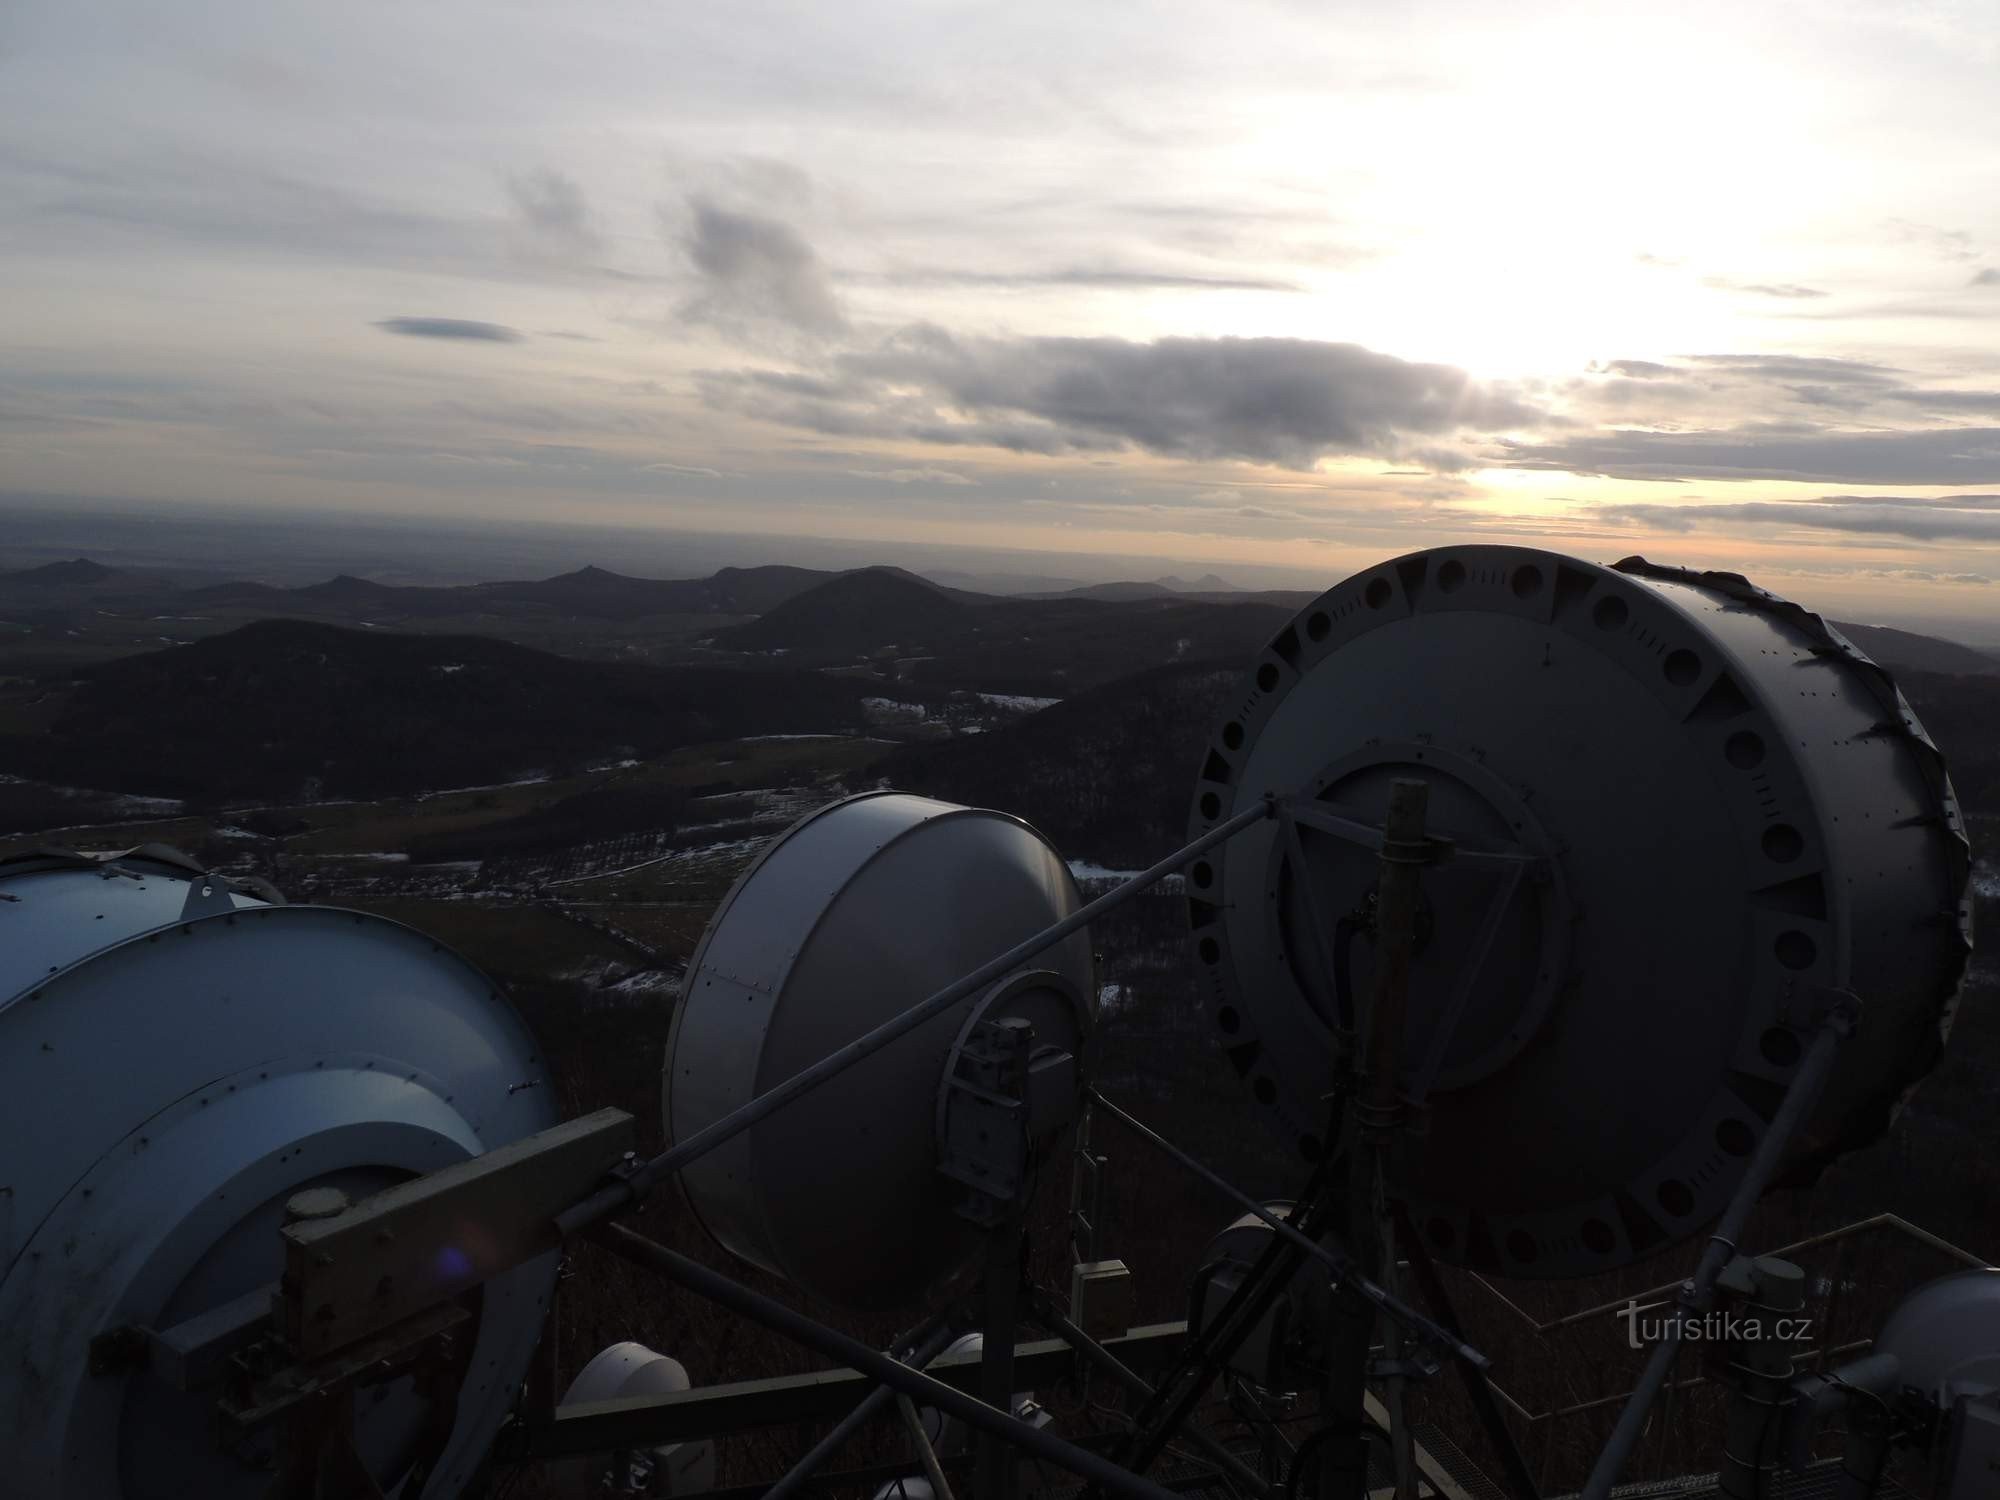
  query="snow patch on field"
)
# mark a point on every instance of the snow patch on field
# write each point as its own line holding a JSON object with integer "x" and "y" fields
{"x": 610, "y": 977}
{"x": 1018, "y": 702}
{"x": 1087, "y": 873}
{"x": 117, "y": 801}
{"x": 891, "y": 708}
{"x": 533, "y": 778}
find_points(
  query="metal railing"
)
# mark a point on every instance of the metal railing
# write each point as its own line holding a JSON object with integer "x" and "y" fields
{"x": 1546, "y": 1421}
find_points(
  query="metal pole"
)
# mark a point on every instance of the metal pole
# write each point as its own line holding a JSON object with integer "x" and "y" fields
{"x": 1134, "y": 1382}
{"x": 996, "y": 1356}
{"x": 1210, "y": 1347}
{"x": 1697, "y": 1293}
{"x": 927, "y": 1349}
{"x": 857, "y": 1355}
{"x": 933, "y": 1470}
{"x": 1477, "y": 1386}
{"x": 615, "y": 1195}
{"x": 1343, "y": 1467}
{"x": 1402, "y": 1443}
{"x": 1343, "y": 1268}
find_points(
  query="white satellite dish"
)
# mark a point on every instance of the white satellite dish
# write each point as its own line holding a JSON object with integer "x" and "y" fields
{"x": 179, "y": 1057}
{"x": 860, "y": 912}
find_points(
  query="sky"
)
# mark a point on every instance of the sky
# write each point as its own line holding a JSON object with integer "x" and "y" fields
{"x": 1286, "y": 285}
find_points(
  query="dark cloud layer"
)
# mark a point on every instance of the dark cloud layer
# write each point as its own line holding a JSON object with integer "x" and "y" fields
{"x": 1289, "y": 402}
{"x": 1785, "y": 290}
{"x": 553, "y": 206}
{"x": 1106, "y": 278}
{"x": 1964, "y": 518}
{"x": 1768, "y": 417}
{"x": 754, "y": 270}
{"x": 1957, "y": 455}
{"x": 451, "y": 328}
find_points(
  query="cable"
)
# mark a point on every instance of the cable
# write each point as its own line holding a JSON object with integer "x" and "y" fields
{"x": 1344, "y": 929}
{"x": 1311, "y": 1446}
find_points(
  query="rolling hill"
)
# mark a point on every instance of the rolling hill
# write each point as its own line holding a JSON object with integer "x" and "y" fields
{"x": 1902, "y": 650}
{"x": 284, "y": 709}
{"x": 855, "y": 614}
{"x": 914, "y": 631}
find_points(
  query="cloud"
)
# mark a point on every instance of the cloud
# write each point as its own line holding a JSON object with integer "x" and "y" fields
{"x": 912, "y": 476}
{"x": 552, "y": 206}
{"x": 1767, "y": 416}
{"x": 1916, "y": 521}
{"x": 1985, "y": 276}
{"x": 451, "y": 328}
{"x": 1954, "y": 455}
{"x": 756, "y": 270}
{"x": 1945, "y": 244}
{"x": 1787, "y": 290}
{"x": 694, "y": 471}
{"x": 1288, "y": 402}
{"x": 1979, "y": 403}
{"x": 1799, "y": 367}
{"x": 1106, "y": 278}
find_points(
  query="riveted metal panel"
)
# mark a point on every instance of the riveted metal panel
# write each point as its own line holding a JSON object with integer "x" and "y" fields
{"x": 1723, "y": 809}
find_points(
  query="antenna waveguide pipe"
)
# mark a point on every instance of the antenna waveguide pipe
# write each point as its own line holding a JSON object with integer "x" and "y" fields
{"x": 918, "y": 1352}
{"x": 1432, "y": 1333}
{"x": 1696, "y": 1292}
{"x": 616, "y": 1195}
{"x": 857, "y": 1355}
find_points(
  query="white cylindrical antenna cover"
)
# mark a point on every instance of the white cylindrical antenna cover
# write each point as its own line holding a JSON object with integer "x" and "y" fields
{"x": 622, "y": 1371}
{"x": 860, "y": 912}
{"x": 179, "y": 1059}
{"x": 1701, "y": 809}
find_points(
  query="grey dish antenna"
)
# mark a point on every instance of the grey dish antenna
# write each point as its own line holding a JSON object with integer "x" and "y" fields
{"x": 1682, "y": 813}
{"x": 186, "y": 1058}
{"x": 865, "y": 1191}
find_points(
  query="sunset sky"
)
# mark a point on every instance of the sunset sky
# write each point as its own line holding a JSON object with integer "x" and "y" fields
{"x": 1289, "y": 284}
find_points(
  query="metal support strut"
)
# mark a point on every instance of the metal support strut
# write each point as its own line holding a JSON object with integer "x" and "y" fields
{"x": 852, "y": 1352}
{"x": 1342, "y": 1266}
{"x": 1375, "y": 1118}
{"x": 1697, "y": 1294}
{"x": 632, "y": 1186}
{"x": 921, "y": 1350}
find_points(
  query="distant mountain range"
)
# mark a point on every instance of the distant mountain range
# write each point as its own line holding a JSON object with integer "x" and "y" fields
{"x": 590, "y": 592}
{"x": 70, "y": 613}
{"x": 916, "y": 631}
{"x": 1906, "y": 649}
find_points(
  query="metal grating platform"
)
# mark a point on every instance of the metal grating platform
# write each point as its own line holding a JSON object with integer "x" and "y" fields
{"x": 1819, "y": 1482}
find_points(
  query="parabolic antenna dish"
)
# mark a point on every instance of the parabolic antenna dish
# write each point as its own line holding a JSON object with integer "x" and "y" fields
{"x": 179, "y": 1057}
{"x": 861, "y": 911}
{"x": 1683, "y": 811}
